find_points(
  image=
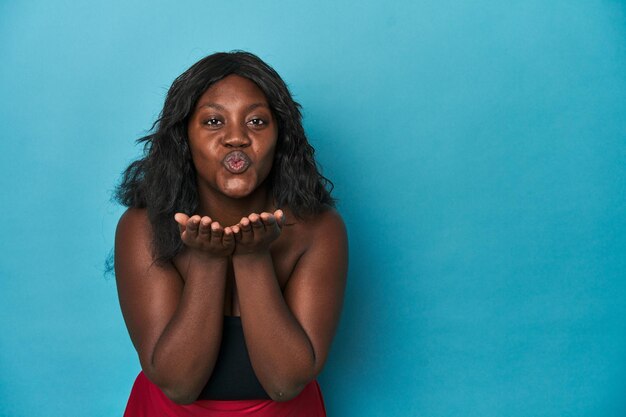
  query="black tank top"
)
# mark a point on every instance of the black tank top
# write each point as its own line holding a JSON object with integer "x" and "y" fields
{"x": 233, "y": 377}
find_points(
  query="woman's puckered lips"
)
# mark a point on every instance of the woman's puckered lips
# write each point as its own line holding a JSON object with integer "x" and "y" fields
{"x": 236, "y": 162}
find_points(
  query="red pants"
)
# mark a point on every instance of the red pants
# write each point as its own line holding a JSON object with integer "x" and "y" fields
{"x": 147, "y": 400}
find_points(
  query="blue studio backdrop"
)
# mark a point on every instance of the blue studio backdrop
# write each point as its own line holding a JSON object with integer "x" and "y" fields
{"x": 478, "y": 151}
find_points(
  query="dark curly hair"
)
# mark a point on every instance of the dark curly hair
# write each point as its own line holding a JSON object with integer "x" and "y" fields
{"x": 164, "y": 180}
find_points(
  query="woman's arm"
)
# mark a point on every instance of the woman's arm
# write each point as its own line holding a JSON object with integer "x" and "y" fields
{"x": 289, "y": 335}
{"x": 175, "y": 325}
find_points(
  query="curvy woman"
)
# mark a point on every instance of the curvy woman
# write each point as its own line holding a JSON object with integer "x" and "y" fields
{"x": 230, "y": 260}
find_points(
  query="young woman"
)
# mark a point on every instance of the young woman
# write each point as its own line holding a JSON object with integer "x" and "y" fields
{"x": 230, "y": 260}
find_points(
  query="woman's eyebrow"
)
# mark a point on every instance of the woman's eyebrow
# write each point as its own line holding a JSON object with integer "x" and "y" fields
{"x": 214, "y": 106}
{"x": 222, "y": 108}
{"x": 256, "y": 105}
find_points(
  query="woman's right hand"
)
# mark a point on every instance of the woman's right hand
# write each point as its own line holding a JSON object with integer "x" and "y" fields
{"x": 204, "y": 235}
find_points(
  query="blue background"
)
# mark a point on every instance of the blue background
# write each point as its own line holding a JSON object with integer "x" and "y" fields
{"x": 479, "y": 155}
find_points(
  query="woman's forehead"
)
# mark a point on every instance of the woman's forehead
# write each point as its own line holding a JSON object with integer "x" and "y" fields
{"x": 233, "y": 88}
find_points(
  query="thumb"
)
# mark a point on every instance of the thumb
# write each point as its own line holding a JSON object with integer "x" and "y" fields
{"x": 280, "y": 217}
{"x": 181, "y": 219}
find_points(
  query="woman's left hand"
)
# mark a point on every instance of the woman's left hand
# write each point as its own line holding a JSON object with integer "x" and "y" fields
{"x": 255, "y": 233}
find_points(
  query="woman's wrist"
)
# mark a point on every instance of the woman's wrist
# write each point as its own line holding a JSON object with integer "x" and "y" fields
{"x": 253, "y": 256}
{"x": 206, "y": 268}
{"x": 205, "y": 257}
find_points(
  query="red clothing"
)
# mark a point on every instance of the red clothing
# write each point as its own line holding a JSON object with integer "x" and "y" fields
{"x": 147, "y": 400}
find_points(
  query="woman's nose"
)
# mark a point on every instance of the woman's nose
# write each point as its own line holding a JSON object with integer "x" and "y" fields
{"x": 236, "y": 137}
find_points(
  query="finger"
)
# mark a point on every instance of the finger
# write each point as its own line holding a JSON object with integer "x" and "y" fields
{"x": 216, "y": 233}
{"x": 229, "y": 237}
{"x": 236, "y": 232}
{"x": 192, "y": 226}
{"x": 245, "y": 225}
{"x": 205, "y": 228}
{"x": 246, "y": 229}
{"x": 181, "y": 219}
{"x": 280, "y": 217}
{"x": 268, "y": 219}
{"x": 256, "y": 222}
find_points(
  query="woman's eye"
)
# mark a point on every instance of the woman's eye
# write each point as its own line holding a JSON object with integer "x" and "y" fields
{"x": 257, "y": 122}
{"x": 212, "y": 122}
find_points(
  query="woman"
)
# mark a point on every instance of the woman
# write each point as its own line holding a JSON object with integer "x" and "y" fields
{"x": 230, "y": 260}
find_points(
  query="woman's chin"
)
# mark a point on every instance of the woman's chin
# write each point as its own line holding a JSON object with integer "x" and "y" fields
{"x": 237, "y": 187}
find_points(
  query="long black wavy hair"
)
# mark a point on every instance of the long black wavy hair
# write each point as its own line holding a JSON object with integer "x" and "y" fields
{"x": 164, "y": 180}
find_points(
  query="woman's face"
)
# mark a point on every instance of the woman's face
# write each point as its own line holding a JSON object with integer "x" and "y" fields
{"x": 232, "y": 137}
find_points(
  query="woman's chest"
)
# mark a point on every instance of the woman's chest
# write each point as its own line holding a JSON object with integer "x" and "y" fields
{"x": 285, "y": 253}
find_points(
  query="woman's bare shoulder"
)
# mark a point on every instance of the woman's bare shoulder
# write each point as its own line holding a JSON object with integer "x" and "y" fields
{"x": 134, "y": 222}
{"x": 328, "y": 220}
{"x": 318, "y": 229}
{"x": 133, "y": 235}
{"x": 133, "y": 217}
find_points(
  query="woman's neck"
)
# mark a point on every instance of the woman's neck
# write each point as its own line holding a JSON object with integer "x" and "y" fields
{"x": 229, "y": 211}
